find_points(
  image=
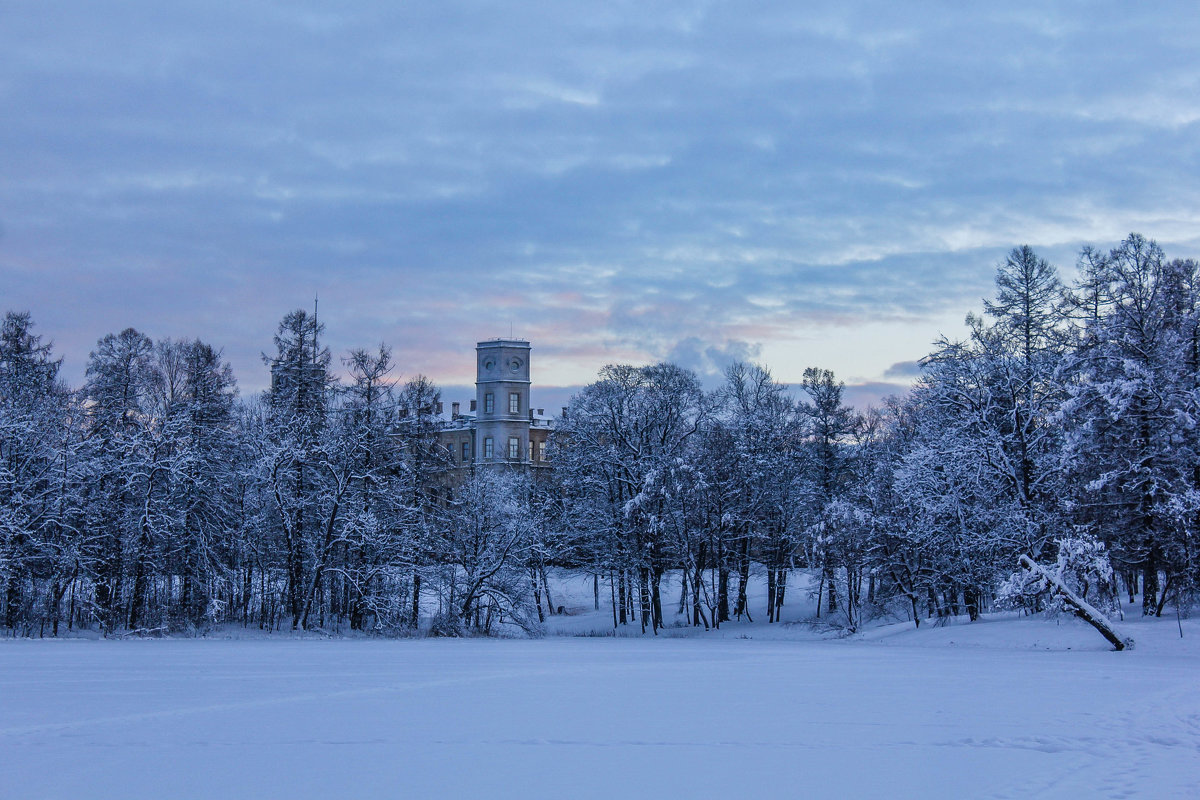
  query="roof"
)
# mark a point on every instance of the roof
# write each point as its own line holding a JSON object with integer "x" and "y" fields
{"x": 466, "y": 419}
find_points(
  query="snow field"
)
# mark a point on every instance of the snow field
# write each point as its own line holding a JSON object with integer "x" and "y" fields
{"x": 981, "y": 710}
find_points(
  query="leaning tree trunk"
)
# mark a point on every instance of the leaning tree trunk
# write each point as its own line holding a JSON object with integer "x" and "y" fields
{"x": 1081, "y": 607}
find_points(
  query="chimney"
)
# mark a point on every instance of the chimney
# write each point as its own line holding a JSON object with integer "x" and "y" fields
{"x": 472, "y": 405}
{"x": 541, "y": 412}
{"x": 439, "y": 408}
{"x": 564, "y": 412}
{"x": 454, "y": 410}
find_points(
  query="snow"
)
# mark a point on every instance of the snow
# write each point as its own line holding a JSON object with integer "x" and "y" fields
{"x": 1005, "y": 707}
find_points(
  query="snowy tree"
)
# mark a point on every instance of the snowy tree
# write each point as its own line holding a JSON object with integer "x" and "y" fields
{"x": 297, "y": 405}
{"x": 425, "y": 481}
{"x": 1025, "y": 347}
{"x": 486, "y": 543}
{"x": 1130, "y": 417}
{"x": 721, "y": 538}
{"x": 196, "y": 404}
{"x": 618, "y": 435}
{"x": 36, "y": 448}
{"x": 767, "y": 470}
{"x": 374, "y": 558}
{"x": 121, "y": 472}
{"x": 830, "y": 428}
{"x": 982, "y": 477}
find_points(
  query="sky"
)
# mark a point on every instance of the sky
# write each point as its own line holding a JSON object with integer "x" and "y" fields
{"x": 826, "y": 185}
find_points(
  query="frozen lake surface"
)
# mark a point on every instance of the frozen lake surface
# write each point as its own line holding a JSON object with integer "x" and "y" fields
{"x": 983, "y": 710}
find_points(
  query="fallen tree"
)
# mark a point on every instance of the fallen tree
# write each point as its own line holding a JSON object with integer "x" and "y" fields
{"x": 1082, "y": 609}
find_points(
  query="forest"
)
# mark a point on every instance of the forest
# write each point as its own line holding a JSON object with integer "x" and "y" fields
{"x": 153, "y": 499}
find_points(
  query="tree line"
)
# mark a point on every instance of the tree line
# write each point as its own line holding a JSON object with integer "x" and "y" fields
{"x": 1062, "y": 427}
{"x": 153, "y": 499}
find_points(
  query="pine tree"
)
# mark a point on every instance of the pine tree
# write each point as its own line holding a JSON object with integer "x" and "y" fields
{"x": 296, "y": 410}
{"x": 198, "y": 430}
{"x": 376, "y": 551}
{"x": 34, "y": 413}
{"x": 1129, "y": 414}
{"x": 121, "y": 379}
{"x": 425, "y": 467}
{"x": 829, "y": 430}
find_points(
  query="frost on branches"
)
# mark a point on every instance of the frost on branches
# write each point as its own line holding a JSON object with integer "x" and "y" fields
{"x": 153, "y": 499}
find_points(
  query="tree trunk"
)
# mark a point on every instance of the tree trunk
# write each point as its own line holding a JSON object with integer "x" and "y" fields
{"x": 1149, "y": 585}
{"x": 781, "y": 575}
{"x": 971, "y": 600}
{"x": 12, "y": 591}
{"x": 416, "y": 599}
{"x": 546, "y": 588}
{"x": 722, "y": 586}
{"x": 656, "y": 597}
{"x": 1077, "y": 604}
{"x": 644, "y": 595}
{"x": 820, "y": 593}
{"x": 622, "y": 612}
{"x": 612, "y": 591}
{"x": 683, "y": 593}
{"x": 1162, "y": 600}
{"x": 247, "y": 588}
{"x": 722, "y": 594}
{"x": 742, "y": 606}
{"x": 537, "y": 593}
{"x": 295, "y": 555}
{"x": 770, "y": 594}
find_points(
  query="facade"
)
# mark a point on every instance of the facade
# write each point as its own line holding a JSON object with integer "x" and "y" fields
{"x": 499, "y": 426}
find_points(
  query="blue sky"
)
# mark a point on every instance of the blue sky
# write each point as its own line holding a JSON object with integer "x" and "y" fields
{"x": 801, "y": 184}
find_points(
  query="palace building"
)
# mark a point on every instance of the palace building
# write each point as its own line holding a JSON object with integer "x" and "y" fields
{"x": 500, "y": 426}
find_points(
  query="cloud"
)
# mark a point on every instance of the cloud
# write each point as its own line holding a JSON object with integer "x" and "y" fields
{"x": 864, "y": 395}
{"x": 903, "y": 369}
{"x": 616, "y": 182}
{"x": 711, "y": 360}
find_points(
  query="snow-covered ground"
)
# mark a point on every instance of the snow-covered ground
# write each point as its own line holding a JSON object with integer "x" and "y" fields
{"x": 575, "y": 593}
{"x": 1005, "y": 707}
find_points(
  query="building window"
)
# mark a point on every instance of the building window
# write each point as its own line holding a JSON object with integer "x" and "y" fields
{"x": 487, "y": 447}
{"x": 531, "y": 449}
{"x": 489, "y": 403}
{"x": 466, "y": 450}
{"x": 514, "y": 448}
{"x": 514, "y": 403}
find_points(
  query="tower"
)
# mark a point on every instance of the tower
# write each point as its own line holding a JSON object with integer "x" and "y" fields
{"x": 502, "y": 401}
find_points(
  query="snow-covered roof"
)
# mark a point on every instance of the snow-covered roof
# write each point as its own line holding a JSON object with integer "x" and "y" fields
{"x": 466, "y": 419}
